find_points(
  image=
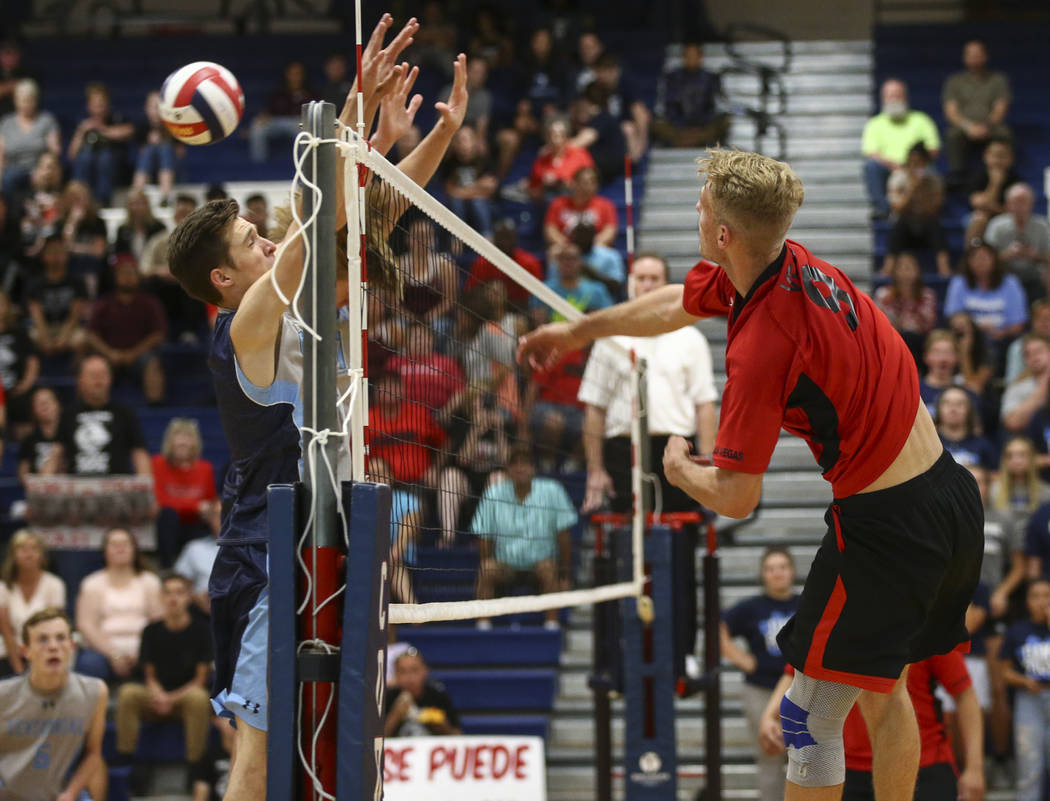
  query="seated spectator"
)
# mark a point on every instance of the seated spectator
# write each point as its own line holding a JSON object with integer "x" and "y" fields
{"x": 470, "y": 183}
{"x": 415, "y": 705}
{"x": 113, "y": 607}
{"x": 940, "y": 355}
{"x": 583, "y": 204}
{"x": 97, "y": 437}
{"x": 139, "y": 226}
{"x": 623, "y": 102}
{"x": 337, "y": 81}
{"x": 11, "y": 72}
{"x": 601, "y": 263}
{"x": 84, "y": 233}
{"x": 26, "y": 587}
{"x": 1040, "y": 317}
{"x": 186, "y": 316}
{"x": 557, "y": 162}
{"x": 568, "y": 281}
{"x": 1029, "y": 391}
{"x": 434, "y": 44}
{"x": 1003, "y": 566}
{"x": 19, "y": 368}
{"x": 974, "y": 359}
{"x": 403, "y": 434}
{"x": 555, "y": 412}
{"x": 1025, "y": 663}
{"x": 158, "y": 152}
{"x": 758, "y": 620}
{"x": 908, "y": 302}
{"x": 1017, "y": 490}
{"x": 427, "y": 377}
{"x": 52, "y": 761}
{"x": 1022, "y": 240}
{"x": 523, "y": 524}
{"x": 283, "y": 111}
{"x": 542, "y": 82}
{"x": 988, "y": 186}
{"x": 994, "y": 298}
{"x": 888, "y": 138}
{"x": 960, "y": 430}
{"x": 35, "y": 449}
{"x": 175, "y": 660}
{"x": 687, "y": 106}
{"x": 197, "y": 556}
{"x": 589, "y": 48}
{"x": 489, "y": 38}
{"x": 975, "y": 105}
{"x": 482, "y": 271}
{"x": 182, "y": 480}
{"x": 128, "y": 327}
{"x": 429, "y": 278}
{"x": 257, "y": 212}
{"x": 598, "y": 131}
{"x": 916, "y": 194}
{"x": 479, "y": 447}
{"x": 406, "y": 519}
{"x": 39, "y": 205}
{"x": 98, "y": 149}
{"x": 25, "y": 135}
{"x": 56, "y": 303}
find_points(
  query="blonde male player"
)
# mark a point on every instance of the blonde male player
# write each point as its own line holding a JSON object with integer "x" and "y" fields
{"x": 220, "y": 258}
{"x": 808, "y": 352}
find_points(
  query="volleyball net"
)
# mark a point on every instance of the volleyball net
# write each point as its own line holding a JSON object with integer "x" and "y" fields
{"x": 485, "y": 456}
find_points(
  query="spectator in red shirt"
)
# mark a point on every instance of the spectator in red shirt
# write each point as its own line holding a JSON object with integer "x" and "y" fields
{"x": 427, "y": 377}
{"x": 128, "y": 326}
{"x": 557, "y": 162}
{"x": 584, "y": 205}
{"x": 181, "y": 480}
{"x": 505, "y": 237}
{"x": 401, "y": 433}
{"x": 555, "y": 413}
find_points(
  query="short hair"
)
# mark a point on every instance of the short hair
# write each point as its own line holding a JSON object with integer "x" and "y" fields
{"x": 753, "y": 191}
{"x": 80, "y": 365}
{"x": 919, "y": 149}
{"x": 181, "y": 425}
{"x": 199, "y": 245}
{"x": 411, "y": 651}
{"x": 606, "y": 60}
{"x": 96, "y": 88}
{"x": 28, "y": 85}
{"x": 777, "y": 550}
{"x": 171, "y": 575}
{"x": 183, "y": 197}
{"x": 652, "y": 254}
{"x": 254, "y": 198}
{"x": 939, "y": 335}
{"x": 576, "y": 175}
{"x": 43, "y": 616}
{"x": 1038, "y": 306}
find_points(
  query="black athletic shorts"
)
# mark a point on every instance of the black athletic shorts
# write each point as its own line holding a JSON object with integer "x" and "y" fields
{"x": 891, "y": 580}
{"x": 935, "y": 783}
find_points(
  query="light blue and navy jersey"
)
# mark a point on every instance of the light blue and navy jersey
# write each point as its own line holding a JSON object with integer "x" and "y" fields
{"x": 262, "y": 434}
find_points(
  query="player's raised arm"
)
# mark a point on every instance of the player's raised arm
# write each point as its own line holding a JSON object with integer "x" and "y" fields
{"x": 654, "y": 313}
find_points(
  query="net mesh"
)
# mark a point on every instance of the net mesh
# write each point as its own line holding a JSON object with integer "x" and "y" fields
{"x": 484, "y": 456}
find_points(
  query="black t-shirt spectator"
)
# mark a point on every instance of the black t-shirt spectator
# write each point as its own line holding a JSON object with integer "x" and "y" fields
{"x": 609, "y": 148}
{"x": 99, "y": 441}
{"x": 175, "y": 654}
{"x": 979, "y": 182}
{"x": 621, "y": 99}
{"x": 35, "y": 449}
{"x": 125, "y": 239}
{"x": 464, "y": 173}
{"x": 15, "y": 349}
{"x": 56, "y": 299}
{"x": 758, "y": 620}
{"x": 434, "y": 695}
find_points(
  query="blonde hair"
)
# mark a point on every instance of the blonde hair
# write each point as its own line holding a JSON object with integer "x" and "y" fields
{"x": 181, "y": 425}
{"x": 752, "y": 192}
{"x": 24, "y": 536}
{"x": 1006, "y": 486}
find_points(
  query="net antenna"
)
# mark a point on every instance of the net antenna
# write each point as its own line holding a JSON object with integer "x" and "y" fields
{"x": 412, "y": 195}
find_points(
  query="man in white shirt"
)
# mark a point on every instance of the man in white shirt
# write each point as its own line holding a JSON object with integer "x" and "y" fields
{"x": 682, "y": 398}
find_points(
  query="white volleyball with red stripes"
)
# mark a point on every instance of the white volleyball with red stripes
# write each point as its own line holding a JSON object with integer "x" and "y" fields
{"x": 201, "y": 103}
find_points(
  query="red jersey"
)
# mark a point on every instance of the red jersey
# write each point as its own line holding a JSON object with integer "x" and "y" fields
{"x": 483, "y": 271}
{"x": 948, "y": 670}
{"x": 183, "y": 490}
{"x": 406, "y": 440}
{"x": 561, "y": 168}
{"x": 560, "y": 383}
{"x": 565, "y": 215}
{"x": 809, "y": 353}
{"x": 430, "y": 381}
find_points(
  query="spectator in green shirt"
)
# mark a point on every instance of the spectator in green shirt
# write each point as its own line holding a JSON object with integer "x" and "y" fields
{"x": 975, "y": 105}
{"x": 888, "y": 138}
{"x": 523, "y": 523}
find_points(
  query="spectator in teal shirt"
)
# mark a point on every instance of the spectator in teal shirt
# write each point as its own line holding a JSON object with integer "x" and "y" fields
{"x": 568, "y": 281}
{"x": 523, "y": 524}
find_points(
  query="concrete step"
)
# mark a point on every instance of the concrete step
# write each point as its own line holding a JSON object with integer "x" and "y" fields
{"x": 801, "y": 82}
{"x": 802, "y": 125}
{"x": 819, "y": 194}
{"x": 812, "y": 158}
{"x": 682, "y": 247}
{"x": 796, "y": 488}
{"x": 855, "y": 214}
{"x": 568, "y": 782}
{"x": 783, "y": 525}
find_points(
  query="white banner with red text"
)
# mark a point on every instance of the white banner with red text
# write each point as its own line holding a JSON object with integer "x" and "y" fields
{"x": 74, "y": 512}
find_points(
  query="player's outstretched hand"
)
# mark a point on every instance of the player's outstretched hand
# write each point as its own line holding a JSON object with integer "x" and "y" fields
{"x": 377, "y": 61}
{"x": 453, "y": 111}
{"x": 396, "y": 111}
{"x": 543, "y": 347}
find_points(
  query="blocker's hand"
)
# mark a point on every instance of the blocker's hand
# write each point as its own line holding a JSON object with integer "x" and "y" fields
{"x": 543, "y": 347}
{"x": 453, "y": 111}
{"x": 396, "y": 111}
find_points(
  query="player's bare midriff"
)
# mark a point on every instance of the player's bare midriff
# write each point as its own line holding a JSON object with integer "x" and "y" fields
{"x": 921, "y": 449}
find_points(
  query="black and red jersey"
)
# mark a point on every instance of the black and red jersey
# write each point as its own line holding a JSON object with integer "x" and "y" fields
{"x": 810, "y": 353}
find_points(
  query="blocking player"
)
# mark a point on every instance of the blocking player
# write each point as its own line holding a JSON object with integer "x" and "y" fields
{"x": 255, "y": 361}
{"x": 808, "y": 352}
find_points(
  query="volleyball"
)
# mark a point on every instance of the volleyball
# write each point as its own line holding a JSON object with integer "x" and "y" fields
{"x": 201, "y": 103}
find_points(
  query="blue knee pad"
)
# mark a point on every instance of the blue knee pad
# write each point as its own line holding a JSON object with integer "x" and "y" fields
{"x": 812, "y": 714}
